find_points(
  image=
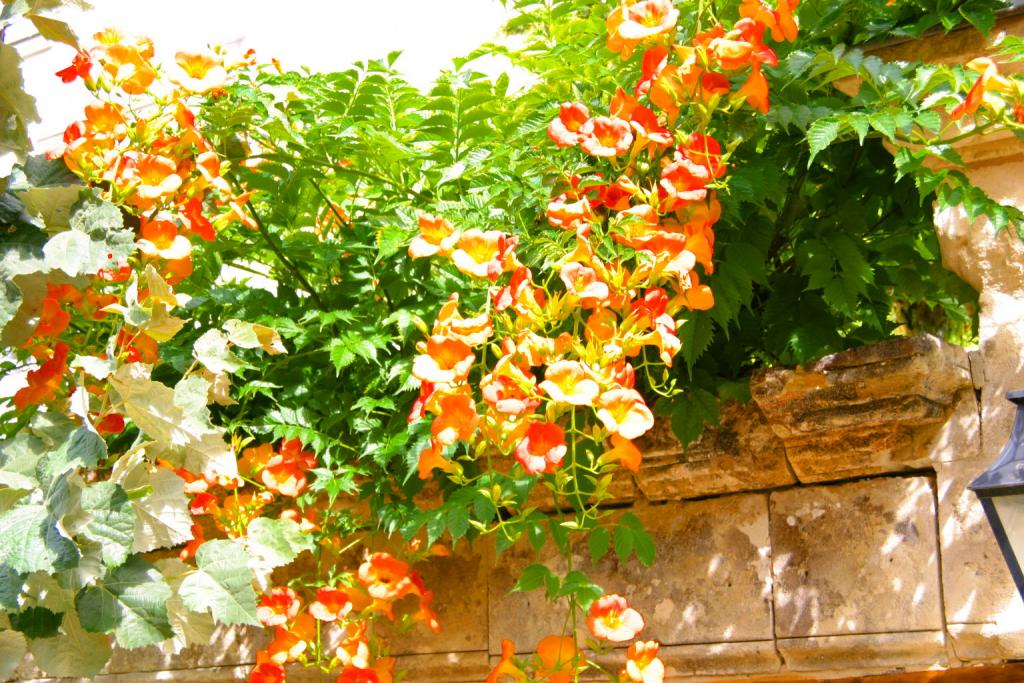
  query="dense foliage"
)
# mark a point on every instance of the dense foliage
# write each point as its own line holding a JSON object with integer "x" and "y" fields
{"x": 265, "y": 315}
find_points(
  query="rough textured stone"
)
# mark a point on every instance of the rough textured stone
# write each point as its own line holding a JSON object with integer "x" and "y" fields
{"x": 710, "y": 582}
{"x": 864, "y": 411}
{"x": 874, "y": 651}
{"x": 994, "y": 265}
{"x": 459, "y": 583}
{"x": 988, "y": 642}
{"x": 977, "y": 586}
{"x": 721, "y": 659}
{"x": 741, "y": 454}
{"x": 855, "y": 558}
{"x": 959, "y": 437}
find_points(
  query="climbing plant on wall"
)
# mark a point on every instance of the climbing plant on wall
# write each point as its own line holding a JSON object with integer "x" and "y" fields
{"x": 268, "y": 318}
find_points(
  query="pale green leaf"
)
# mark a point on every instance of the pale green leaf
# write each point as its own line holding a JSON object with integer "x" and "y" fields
{"x": 130, "y": 602}
{"x": 53, "y": 29}
{"x": 111, "y": 520}
{"x": 190, "y": 628}
{"x": 12, "y": 650}
{"x": 222, "y": 585}
{"x": 276, "y": 542}
{"x": 95, "y": 367}
{"x": 182, "y": 435}
{"x": 253, "y": 335}
{"x": 73, "y": 653}
{"x": 211, "y": 349}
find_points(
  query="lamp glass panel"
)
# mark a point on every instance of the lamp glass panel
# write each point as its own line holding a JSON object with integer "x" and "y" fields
{"x": 1011, "y": 515}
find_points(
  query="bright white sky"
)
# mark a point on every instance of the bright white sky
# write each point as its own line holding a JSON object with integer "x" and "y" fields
{"x": 325, "y": 35}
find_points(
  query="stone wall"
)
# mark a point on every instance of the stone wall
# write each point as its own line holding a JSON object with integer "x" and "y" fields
{"x": 822, "y": 530}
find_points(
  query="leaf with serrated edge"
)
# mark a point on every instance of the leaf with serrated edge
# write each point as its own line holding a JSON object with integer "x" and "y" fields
{"x": 276, "y": 542}
{"x": 222, "y": 584}
{"x": 111, "y": 520}
{"x": 74, "y": 653}
{"x": 130, "y": 602}
{"x": 184, "y": 438}
{"x": 211, "y": 349}
{"x": 253, "y": 335}
{"x": 162, "y": 518}
{"x": 29, "y": 541}
{"x": 12, "y": 650}
{"x": 190, "y": 628}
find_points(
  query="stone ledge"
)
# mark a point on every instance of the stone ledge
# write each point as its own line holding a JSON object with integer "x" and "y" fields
{"x": 991, "y": 642}
{"x": 864, "y": 411}
{"x": 741, "y": 453}
{"x": 865, "y": 652}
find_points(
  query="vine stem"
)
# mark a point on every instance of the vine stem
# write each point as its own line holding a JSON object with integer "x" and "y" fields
{"x": 282, "y": 257}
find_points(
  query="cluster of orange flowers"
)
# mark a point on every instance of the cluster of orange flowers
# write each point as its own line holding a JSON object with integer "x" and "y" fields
{"x": 992, "y": 91}
{"x": 147, "y": 155}
{"x": 701, "y": 70}
{"x": 558, "y": 660}
{"x": 147, "y": 152}
{"x": 264, "y": 475}
{"x": 352, "y": 603}
{"x": 566, "y": 345}
{"x": 660, "y": 210}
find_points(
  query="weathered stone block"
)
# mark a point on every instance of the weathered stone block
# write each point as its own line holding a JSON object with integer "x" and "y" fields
{"x": 741, "y": 454}
{"x": 874, "y": 651}
{"x": 459, "y": 583}
{"x": 987, "y": 642}
{"x": 234, "y": 645}
{"x": 959, "y": 437}
{"x": 710, "y": 581}
{"x": 976, "y": 584}
{"x": 864, "y": 411}
{"x": 855, "y": 558}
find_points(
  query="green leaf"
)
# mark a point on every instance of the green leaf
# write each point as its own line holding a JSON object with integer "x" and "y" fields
{"x": 623, "y": 542}
{"x": 980, "y": 16}
{"x": 598, "y": 542}
{"x": 36, "y": 622}
{"x": 12, "y": 650}
{"x": 695, "y": 335}
{"x": 276, "y": 541}
{"x": 11, "y": 582}
{"x": 131, "y": 602}
{"x": 535, "y": 534}
{"x": 212, "y": 350}
{"x": 643, "y": 544}
{"x": 111, "y": 520}
{"x": 458, "y": 522}
{"x": 690, "y": 411}
{"x": 73, "y": 653}
{"x": 576, "y": 583}
{"x": 222, "y": 584}
{"x": 532, "y": 577}
{"x": 820, "y": 135}
{"x": 30, "y": 541}
{"x": 84, "y": 448}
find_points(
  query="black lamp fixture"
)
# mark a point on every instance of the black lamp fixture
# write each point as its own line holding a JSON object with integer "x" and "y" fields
{"x": 1000, "y": 489}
